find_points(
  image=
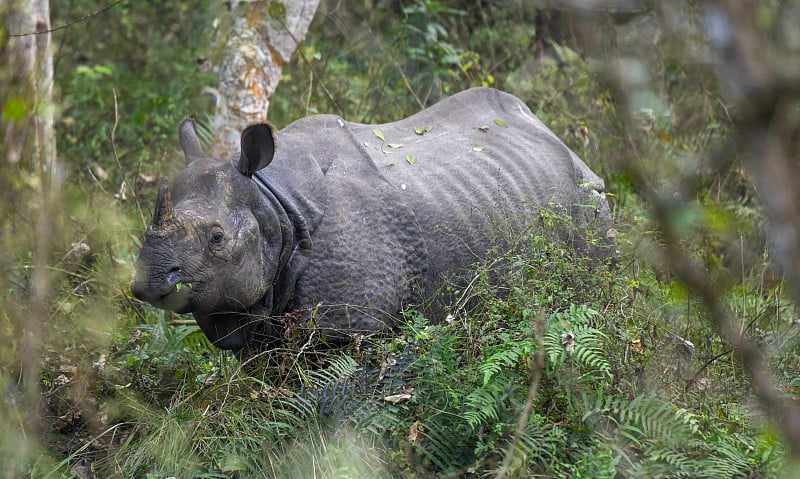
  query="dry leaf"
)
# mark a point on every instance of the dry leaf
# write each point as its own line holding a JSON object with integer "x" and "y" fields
{"x": 568, "y": 340}
{"x": 61, "y": 380}
{"x": 387, "y": 364}
{"x": 396, "y": 398}
{"x": 414, "y": 433}
{"x": 703, "y": 384}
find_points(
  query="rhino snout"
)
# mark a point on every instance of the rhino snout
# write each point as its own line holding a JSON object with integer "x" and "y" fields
{"x": 166, "y": 291}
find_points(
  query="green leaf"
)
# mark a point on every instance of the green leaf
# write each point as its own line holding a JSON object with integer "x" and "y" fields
{"x": 477, "y": 148}
{"x": 277, "y": 10}
{"x": 418, "y": 130}
{"x": 379, "y": 134}
{"x": 500, "y": 123}
{"x": 15, "y": 108}
{"x": 395, "y": 145}
{"x": 103, "y": 70}
{"x": 410, "y": 159}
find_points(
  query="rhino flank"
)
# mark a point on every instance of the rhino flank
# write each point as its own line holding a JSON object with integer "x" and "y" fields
{"x": 355, "y": 226}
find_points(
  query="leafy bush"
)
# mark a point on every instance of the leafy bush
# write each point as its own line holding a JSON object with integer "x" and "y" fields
{"x": 441, "y": 399}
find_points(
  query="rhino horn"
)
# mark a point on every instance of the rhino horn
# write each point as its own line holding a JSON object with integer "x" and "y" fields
{"x": 189, "y": 141}
{"x": 164, "y": 214}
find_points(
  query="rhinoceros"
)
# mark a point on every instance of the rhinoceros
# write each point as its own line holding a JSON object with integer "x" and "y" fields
{"x": 352, "y": 221}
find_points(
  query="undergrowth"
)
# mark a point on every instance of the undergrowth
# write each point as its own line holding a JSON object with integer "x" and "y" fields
{"x": 439, "y": 399}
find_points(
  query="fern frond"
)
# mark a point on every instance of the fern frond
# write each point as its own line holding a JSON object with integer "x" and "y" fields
{"x": 482, "y": 404}
{"x": 445, "y": 444}
{"x": 339, "y": 368}
{"x": 516, "y": 354}
{"x": 586, "y": 344}
{"x": 645, "y": 418}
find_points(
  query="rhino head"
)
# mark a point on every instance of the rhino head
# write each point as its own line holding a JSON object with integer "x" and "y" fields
{"x": 214, "y": 246}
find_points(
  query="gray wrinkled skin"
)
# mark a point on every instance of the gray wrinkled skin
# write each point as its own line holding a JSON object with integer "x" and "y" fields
{"x": 338, "y": 221}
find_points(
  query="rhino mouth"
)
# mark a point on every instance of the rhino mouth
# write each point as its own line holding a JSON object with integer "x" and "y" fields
{"x": 174, "y": 296}
{"x": 176, "y": 299}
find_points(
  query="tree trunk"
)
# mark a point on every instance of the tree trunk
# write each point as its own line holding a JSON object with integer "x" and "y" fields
{"x": 29, "y": 134}
{"x": 28, "y": 151}
{"x": 259, "y": 39}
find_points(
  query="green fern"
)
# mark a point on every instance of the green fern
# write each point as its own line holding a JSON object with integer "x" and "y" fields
{"x": 570, "y": 337}
{"x": 482, "y": 405}
{"x": 445, "y": 443}
{"x": 516, "y": 354}
{"x": 505, "y": 370}
{"x": 656, "y": 439}
{"x": 340, "y": 367}
{"x": 645, "y": 418}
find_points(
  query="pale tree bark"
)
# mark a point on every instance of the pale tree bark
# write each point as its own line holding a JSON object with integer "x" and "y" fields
{"x": 29, "y": 150}
{"x": 259, "y": 39}
{"x": 31, "y": 62}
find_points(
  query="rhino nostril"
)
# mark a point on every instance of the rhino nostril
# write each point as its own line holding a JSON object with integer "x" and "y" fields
{"x": 174, "y": 276}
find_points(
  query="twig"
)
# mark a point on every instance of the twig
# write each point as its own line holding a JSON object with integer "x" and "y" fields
{"x": 96, "y": 180}
{"x": 63, "y": 27}
{"x": 707, "y": 363}
{"x": 125, "y": 181}
{"x": 310, "y": 89}
{"x": 406, "y": 81}
{"x": 536, "y": 378}
{"x": 302, "y": 55}
{"x": 182, "y": 322}
{"x": 785, "y": 413}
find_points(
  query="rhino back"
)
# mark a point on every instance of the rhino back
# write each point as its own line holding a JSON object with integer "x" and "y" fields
{"x": 485, "y": 161}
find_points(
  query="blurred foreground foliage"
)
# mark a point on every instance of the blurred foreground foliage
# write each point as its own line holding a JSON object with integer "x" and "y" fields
{"x": 635, "y": 381}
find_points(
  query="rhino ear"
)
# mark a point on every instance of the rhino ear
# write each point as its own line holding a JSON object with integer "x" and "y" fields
{"x": 258, "y": 148}
{"x": 189, "y": 141}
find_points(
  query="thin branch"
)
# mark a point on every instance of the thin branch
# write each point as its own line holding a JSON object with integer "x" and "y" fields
{"x": 406, "y": 81}
{"x": 784, "y": 413}
{"x": 536, "y": 379}
{"x": 64, "y": 27}
{"x": 708, "y": 363}
{"x": 299, "y": 51}
{"x": 182, "y": 322}
{"x": 125, "y": 181}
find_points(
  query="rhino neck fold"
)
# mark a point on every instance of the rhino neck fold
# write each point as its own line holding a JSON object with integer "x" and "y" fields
{"x": 296, "y": 235}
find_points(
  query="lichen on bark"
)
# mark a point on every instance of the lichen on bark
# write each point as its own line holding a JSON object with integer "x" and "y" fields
{"x": 258, "y": 39}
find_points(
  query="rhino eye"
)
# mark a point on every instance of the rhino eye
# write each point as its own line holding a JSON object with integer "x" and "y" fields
{"x": 216, "y": 237}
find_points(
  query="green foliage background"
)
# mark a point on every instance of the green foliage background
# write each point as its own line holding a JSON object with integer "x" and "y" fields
{"x": 650, "y": 389}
